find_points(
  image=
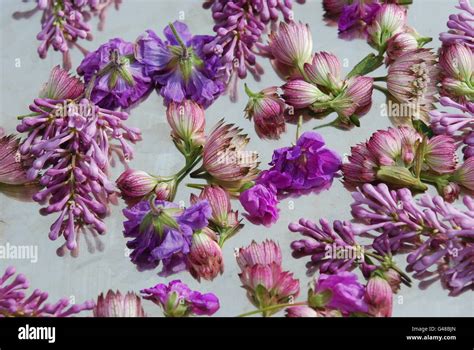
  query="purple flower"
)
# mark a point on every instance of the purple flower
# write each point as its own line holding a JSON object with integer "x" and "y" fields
{"x": 461, "y": 28}
{"x": 179, "y": 66}
{"x": 347, "y": 294}
{"x": 70, "y": 142}
{"x": 306, "y": 167}
{"x": 260, "y": 202}
{"x": 14, "y": 301}
{"x": 178, "y": 300}
{"x": 118, "y": 78}
{"x": 359, "y": 12}
{"x": 163, "y": 233}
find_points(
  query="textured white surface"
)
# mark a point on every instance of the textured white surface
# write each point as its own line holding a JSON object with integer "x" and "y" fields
{"x": 89, "y": 274}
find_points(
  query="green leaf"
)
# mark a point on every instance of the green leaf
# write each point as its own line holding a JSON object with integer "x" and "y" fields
{"x": 422, "y": 128}
{"x": 355, "y": 120}
{"x": 321, "y": 299}
{"x": 370, "y": 63}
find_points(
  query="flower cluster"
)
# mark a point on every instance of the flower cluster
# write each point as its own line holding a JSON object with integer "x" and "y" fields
{"x": 14, "y": 301}
{"x": 404, "y": 157}
{"x": 69, "y": 143}
{"x": 307, "y": 167}
{"x": 263, "y": 278}
{"x": 178, "y": 300}
{"x": 64, "y": 22}
{"x": 239, "y": 27}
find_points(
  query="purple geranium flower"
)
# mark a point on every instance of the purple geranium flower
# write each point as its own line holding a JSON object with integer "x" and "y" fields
{"x": 347, "y": 294}
{"x": 178, "y": 300}
{"x": 179, "y": 65}
{"x": 119, "y": 77}
{"x": 306, "y": 167}
{"x": 260, "y": 202}
{"x": 163, "y": 233}
{"x": 356, "y": 13}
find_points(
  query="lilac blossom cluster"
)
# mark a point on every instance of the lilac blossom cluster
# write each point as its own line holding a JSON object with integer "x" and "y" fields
{"x": 69, "y": 142}
{"x": 64, "y": 22}
{"x": 239, "y": 27}
{"x": 15, "y": 302}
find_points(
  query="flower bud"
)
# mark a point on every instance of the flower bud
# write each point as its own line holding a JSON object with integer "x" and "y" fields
{"x": 114, "y": 304}
{"x": 187, "y": 122}
{"x": 464, "y": 175}
{"x": 379, "y": 297}
{"x": 394, "y": 279}
{"x": 440, "y": 155}
{"x": 457, "y": 63}
{"x": 389, "y": 20}
{"x": 205, "y": 257}
{"x": 400, "y": 44}
{"x": 300, "y": 94}
{"x": 301, "y": 311}
{"x": 136, "y": 183}
{"x": 324, "y": 70}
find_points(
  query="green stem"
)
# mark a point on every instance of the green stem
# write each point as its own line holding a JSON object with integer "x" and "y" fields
{"x": 380, "y": 79}
{"x": 298, "y": 127}
{"x": 333, "y": 123}
{"x": 269, "y": 308}
{"x": 250, "y": 93}
{"x": 178, "y": 38}
{"x": 382, "y": 89}
{"x": 187, "y": 169}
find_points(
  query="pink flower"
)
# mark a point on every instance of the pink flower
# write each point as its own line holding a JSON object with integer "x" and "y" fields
{"x": 266, "y": 109}
{"x": 300, "y": 94}
{"x": 292, "y": 44}
{"x": 359, "y": 94}
{"x": 114, "y": 304}
{"x": 187, "y": 122}
{"x": 13, "y": 166}
{"x": 265, "y": 253}
{"x": 379, "y": 297}
{"x": 394, "y": 279}
{"x": 464, "y": 175}
{"x": 400, "y": 44}
{"x": 412, "y": 80}
{"x": 440, "y": 154}
{"x": 301, "y": 311}
{"x": 324, "y": 70}
{"x": 225, "y": 157}
{"x": 205, "y": 257}
{"x": 389, "y": 20}
{"x": 136, "y": 183}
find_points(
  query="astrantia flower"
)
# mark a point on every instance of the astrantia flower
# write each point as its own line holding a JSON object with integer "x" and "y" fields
{"x": 118, "y": 78}
{"x": 400, "y": 44}
{"x": 136, "y": 183}
{"x": 324, "y": 70}
{"x": 263, "y": 277}
{"x": 464, "y": 175}
{"x": 301, "y": 311}
{"x": 177, "y": 300}
{"x": 187, "y": 122}
{"x": 70, "y": 142}
{"x": 301, "y": 94}
{"x": 114, "y": 304}
{"x": 14, "y": 302}
{"x": 291, "y": 45}
{"x": 356, "y": 98}
{"x": 205, "y": 258}
{"x": 461, "y": 27}
{"x": 163, "y": 232}
{"x": 260, "y": 202}
{"x": 457, "y": 63}
{"x": 379, "y": 297}
{"x": 179, "y": 65}
{"x": 306, "y": 167}
{"x": 440, "y": 154}
{"x": 225, "y": 157}
{"x": 266, "y": 109}
{"x": 412, "y": 80}
{"x": 346, "y": 292}
{"x": 13, "y": 166}
{"x": 390, "y": 19}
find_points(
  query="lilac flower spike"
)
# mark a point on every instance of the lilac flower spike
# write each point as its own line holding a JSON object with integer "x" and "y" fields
{"x": 14, "y": 301}
{"x": 178, "y": 300}
{"x": 180, "y": 66}
{"x": 161, "y": 231}
{"x": 461, "y": 27}
{"x": 118, "y": 79}
{"x": 69, "y": 140}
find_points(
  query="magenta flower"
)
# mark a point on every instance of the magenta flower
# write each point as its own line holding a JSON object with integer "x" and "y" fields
{"x": 14, "y": 301}
{"x": 163, "y": 232}
{"x": 267, "y": 110}
{"x": 118, "y": 78}
{"x": 70, "y": 144}
{"x": 346, "y": 293}
{"x": 260, "y": 202}
{"x": 178, "y": 300}
{"x": 114, "y": 304}
{"x": 180, "y": 66}
{"x": 306, "y": 167}
{"x": 357, "y": 13}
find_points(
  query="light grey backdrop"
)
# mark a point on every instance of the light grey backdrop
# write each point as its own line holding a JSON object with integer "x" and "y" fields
{"x": 91, "y": 273}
